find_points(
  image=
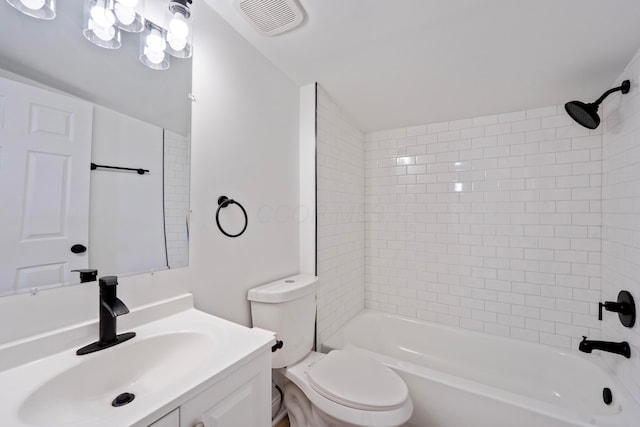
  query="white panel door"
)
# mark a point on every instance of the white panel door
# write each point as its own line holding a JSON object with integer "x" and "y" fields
{"x": 45, "y": 150}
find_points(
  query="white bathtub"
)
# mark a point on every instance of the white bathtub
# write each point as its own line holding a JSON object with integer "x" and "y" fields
{"x": 460, "y": 378}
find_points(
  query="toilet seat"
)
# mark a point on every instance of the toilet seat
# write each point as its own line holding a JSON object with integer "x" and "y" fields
{"x": 376, "y": 416}
{"x": 357, "y": 381}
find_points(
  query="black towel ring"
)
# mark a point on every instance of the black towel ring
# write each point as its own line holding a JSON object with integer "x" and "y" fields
{"x": 223, "y": 202}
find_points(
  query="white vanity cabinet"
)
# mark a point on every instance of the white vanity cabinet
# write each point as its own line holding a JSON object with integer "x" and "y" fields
{"x": 241, "y": 398}
{"x": 172, "y": 419}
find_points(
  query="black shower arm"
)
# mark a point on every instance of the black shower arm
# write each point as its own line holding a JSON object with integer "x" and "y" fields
{"x": 624, "y": 87}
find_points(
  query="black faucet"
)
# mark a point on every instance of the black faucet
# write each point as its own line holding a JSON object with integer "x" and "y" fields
{"x": 110, "y": 308}
{"x": 612, "y": 347}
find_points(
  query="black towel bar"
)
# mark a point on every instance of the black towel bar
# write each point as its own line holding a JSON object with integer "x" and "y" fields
{"x": 139, "y": 170}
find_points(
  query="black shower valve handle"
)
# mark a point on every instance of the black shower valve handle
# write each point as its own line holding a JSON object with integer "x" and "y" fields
{"x": 624, "y": 306}
{"x": 617, "y": 307}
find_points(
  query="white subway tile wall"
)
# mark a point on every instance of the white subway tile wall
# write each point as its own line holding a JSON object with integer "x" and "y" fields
{"x": 621, "y": 218}
{"x": 340, "y": 205}
{"x": 176, "y": 193}
{"x": 491, "y": 223}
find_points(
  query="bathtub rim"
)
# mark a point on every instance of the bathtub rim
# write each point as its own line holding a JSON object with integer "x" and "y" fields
{"x": 589, "y": 358}
{"x": 629, "y": 408}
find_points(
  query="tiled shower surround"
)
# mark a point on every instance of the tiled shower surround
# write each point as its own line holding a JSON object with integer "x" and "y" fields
{"x": 513, "y": 224}
{"x": 340, "y": 204}
{"x": 621, "y": 218}
{"x": 491, "y": 223}
{"x": 176, "y": 203}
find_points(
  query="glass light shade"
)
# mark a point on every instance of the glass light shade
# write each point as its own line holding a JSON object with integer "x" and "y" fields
{"x": 179, "y": 47}
{"x": 128, "y": 15}
{"x": 99, "y": 24}
{"x": 179, "y": 26}
{"x": 153, "y": 44}
{"x": 41, "y": 9}
{"x": 180, "y": 32}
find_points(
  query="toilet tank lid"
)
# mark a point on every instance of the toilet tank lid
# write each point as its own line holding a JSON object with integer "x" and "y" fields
{"x": 286, "y": 289}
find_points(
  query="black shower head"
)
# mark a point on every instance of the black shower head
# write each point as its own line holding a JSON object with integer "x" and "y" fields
{"x": 587, "y": 114}
{"x": 584, "y": 114}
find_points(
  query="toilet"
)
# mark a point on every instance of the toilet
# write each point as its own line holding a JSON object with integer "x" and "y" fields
{"x": 341, "y": 388}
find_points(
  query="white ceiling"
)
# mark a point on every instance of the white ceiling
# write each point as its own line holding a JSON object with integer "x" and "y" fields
{"x": 396, "y": 63}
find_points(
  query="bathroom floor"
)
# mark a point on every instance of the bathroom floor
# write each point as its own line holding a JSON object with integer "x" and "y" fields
{"x": 284, "y": 422}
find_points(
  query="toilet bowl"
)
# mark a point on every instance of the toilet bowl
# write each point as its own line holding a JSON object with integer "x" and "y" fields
{"x": 338, "y": 389}
{"x": 345, "y": 389}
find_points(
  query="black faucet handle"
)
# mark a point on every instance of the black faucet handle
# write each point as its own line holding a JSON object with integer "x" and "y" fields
{"x": 87, "y": 274}
{"x": 108, "y": 281}
{"x": 119, "y": 308}
{"x": 116, "y": 308}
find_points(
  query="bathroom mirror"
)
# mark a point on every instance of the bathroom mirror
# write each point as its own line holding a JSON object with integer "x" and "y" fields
{"x": 129, "y": 223}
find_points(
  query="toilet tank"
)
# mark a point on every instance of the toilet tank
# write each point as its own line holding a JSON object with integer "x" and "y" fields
{"x": 288, "y": 308}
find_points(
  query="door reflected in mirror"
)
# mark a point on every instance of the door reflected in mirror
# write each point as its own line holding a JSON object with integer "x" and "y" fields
{"x": 64, "y": 104}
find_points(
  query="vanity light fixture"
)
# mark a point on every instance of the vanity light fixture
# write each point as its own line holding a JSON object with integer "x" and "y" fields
{"x": 103, "y": 21}
{"x": 40, "y": 9}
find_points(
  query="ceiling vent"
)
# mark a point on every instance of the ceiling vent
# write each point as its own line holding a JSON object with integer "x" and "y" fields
{"x": 271, "y": 17}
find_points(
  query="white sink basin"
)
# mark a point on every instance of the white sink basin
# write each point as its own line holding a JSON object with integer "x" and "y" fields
{"x": 175, "y": 354}
{"x": 141, "y": 366}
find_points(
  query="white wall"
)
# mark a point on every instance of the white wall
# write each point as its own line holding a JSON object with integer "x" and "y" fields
{"x": 490, "y": 223}
{"x": 621, "y": 217}
{"x": 340, "y": 204}
{"x": 244, "y": 145}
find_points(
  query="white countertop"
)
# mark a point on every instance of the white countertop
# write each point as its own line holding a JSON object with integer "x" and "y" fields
{"x": 196, "y": 364}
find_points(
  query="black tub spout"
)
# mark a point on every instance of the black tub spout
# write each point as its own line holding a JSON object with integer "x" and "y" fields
{"x": 622, "y": 348}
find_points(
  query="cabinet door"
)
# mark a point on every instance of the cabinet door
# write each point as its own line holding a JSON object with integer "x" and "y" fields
{"x": 240, "y": 399}
{"x": 172, "y": 419}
